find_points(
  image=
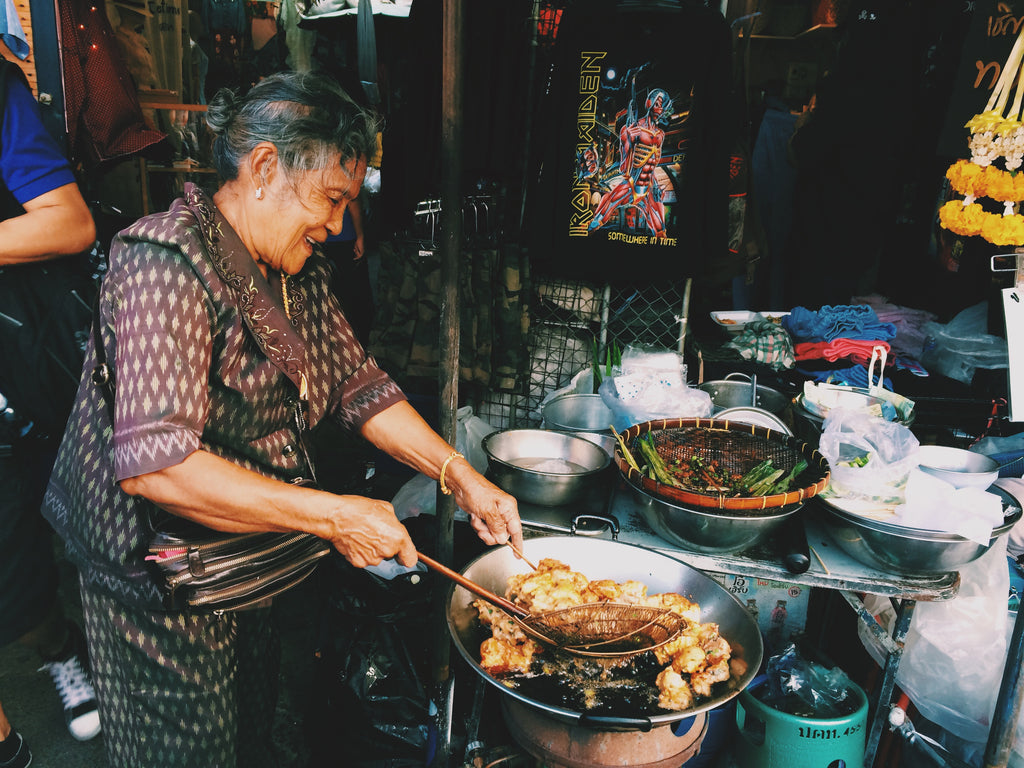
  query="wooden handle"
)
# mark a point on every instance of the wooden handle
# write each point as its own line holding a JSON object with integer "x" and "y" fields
{"x": 472, "y": 586}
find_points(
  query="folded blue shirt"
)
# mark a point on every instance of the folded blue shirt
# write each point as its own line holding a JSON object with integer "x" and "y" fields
{"x": 841, "y": 321}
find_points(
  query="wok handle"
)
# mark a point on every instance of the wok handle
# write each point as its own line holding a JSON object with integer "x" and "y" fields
{"x": 506, "y": 605}
{"x": 793, "y": 540}
{"x": 610, "y": 722}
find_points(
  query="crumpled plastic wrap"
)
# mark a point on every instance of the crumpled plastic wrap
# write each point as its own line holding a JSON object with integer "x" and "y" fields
{"x": 652, "y": 385}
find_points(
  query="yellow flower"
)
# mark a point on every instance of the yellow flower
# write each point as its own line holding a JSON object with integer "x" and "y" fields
{"x": 1003, "y": 230}
{"x": 999, "y": 184}
{"x": 964, "y": 175}
{"x": 962, "y": 219}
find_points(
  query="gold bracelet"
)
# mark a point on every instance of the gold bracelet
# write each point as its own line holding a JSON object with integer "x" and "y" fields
{"x": 444, "y": 488}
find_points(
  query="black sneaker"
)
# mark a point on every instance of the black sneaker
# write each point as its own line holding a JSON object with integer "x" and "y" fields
{"x": 22, "y": 758}
{"x": 71, "y": 678}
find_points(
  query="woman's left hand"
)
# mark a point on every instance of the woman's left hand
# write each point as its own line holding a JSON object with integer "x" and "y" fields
{"x": 493, "y": 513}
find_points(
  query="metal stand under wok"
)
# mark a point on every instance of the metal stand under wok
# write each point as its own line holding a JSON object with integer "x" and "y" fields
{"x": 617, "y": 516}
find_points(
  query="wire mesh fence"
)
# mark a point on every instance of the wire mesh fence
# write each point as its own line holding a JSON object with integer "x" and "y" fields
{"x": 570, "y": 324}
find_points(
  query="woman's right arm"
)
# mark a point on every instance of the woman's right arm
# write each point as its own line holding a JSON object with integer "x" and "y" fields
{"x": 223, "y": 496}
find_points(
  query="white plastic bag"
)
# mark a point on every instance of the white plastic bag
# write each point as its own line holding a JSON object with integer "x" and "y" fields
{"x": 652, "y": 385}
{"x": 955, "y": 649}
{"x": 419, "y": 494}
{"x": 869, "y": 457}
{"x": 963, "y": 345}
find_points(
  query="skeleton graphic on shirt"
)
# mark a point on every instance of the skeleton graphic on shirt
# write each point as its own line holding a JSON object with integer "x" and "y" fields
{"x": 640, "y": 145}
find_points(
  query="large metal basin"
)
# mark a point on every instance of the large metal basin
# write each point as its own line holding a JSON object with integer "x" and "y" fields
{"x": 606, "y": 559}
{"x": 908, "y": 551}
{"x": 736, "y": 390}
{"x": 539, "y": 466}
{"x": 708, "y": 530}
{"x": 578, "y": 413}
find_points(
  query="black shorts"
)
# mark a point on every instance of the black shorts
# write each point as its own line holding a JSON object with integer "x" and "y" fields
{"x": 28, "y": 572}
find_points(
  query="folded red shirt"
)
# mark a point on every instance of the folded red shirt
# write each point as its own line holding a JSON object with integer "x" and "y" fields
{"x": 857, "y": 350}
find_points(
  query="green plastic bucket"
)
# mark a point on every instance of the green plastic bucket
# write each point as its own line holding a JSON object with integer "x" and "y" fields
{"x": 769, "y": 738}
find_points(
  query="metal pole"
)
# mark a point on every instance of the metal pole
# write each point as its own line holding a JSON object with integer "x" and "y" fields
{"x": 1008, "y": 702}
{"x": 451, "y": 238}
{"x": 528, "y": 122}
{"x": 684, "y": 317}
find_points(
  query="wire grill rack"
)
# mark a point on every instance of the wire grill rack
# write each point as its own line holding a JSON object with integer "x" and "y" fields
{"x": 567, "y": 319}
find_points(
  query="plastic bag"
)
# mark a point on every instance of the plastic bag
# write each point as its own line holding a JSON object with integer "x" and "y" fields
{"x": 370, "y": 707}
{"x": 806, "y": 689}
{"x": 652, "y": 385}
{"x": 963, "y": 345}
{"x": 419, "y": 495}
{"x": 869, "y": 457}
{"x": 955, "y": 650}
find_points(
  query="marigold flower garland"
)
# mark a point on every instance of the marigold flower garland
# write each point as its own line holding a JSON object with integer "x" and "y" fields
{"x": 996, "y": 135}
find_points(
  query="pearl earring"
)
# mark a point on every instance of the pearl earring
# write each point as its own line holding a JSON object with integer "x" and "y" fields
{"x": 259, "y": 193}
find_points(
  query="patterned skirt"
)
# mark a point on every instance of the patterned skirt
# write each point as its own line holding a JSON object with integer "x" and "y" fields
{"x": 183, "y": 689}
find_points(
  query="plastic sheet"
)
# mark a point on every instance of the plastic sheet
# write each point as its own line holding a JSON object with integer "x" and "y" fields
{"x": 954, "y": 652}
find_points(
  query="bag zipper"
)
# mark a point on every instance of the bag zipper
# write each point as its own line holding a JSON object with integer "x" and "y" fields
{"x": 245, "y": 587}
{"x": 162, "y": 553}
{"x": 285, "y": 585}
{"x": 211, "y": 568}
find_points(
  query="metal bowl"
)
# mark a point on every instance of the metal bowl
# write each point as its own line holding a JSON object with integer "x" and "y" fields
{"x": 712, "y": 531}
{"x": 959, "y": 468}
{"x": 578, "y": 413}
{"x": 757, "y": 416}
{"x": 606, "y": 441}
{"x": 539, "y": 466}
{"x": 908, "y": 551}
{"x": 733, "y": 392}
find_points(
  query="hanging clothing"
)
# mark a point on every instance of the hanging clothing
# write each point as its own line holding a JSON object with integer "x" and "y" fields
{"x": 495, "y": 49}
{"x": 773, "y": 180}
{"x": 163, "y": 27}
{"x": 101, "y": 106}
{"x": 493, "y": 316}
{"x": 298, "y": 42}
{"x": 12, "y": 33}
{"x": 635, "y": 154}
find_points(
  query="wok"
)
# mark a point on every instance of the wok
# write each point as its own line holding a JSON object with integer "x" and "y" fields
{"x": 605, "y": 559}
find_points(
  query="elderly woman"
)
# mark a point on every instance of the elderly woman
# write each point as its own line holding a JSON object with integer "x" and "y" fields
{"x": 218, "y": 321}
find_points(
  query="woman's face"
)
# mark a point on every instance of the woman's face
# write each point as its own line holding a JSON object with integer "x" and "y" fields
{"x": 303, "y": 209}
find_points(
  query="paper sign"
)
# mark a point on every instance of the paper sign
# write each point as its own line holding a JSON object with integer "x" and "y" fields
{"x": 1013, "y": 311}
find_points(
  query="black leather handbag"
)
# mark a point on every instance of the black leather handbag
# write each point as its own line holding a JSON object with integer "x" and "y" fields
{"x": 206, "y": 570}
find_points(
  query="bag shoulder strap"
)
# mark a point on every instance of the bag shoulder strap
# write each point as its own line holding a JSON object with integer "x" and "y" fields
{"x": 101, "y": 375}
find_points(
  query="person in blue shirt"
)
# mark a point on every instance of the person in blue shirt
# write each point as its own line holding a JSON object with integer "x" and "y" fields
{"x": 42, "y": 216}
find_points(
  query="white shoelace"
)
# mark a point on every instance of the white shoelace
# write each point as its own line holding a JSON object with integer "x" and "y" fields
{"x": 71, "y": 680}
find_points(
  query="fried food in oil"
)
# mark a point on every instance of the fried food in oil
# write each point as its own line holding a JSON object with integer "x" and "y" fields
{"x": 693, "y": 662}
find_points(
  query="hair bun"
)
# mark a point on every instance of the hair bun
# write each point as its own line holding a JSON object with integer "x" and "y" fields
{"x": 221, "y": 110}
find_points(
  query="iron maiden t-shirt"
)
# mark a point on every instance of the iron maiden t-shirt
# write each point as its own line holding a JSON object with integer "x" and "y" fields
{"x": 634, "y": 167}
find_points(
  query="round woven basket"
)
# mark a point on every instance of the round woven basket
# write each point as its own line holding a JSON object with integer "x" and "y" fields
{"x": 736, "y": 447}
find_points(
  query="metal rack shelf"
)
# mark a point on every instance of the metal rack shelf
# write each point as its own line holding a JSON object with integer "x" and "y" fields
{"x": 830, "y": 568}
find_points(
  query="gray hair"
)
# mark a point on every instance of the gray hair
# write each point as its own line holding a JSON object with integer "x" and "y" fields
{"x": 307, "y": 116}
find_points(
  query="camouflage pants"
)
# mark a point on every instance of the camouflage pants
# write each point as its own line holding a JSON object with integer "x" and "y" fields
{"x": 182, "y": 689}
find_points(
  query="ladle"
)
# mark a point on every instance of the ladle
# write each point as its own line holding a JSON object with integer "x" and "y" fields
{"x": 591, "y": 629}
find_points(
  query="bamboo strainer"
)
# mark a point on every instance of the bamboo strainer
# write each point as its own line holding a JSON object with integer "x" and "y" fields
{"x": 737, "y": 448}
